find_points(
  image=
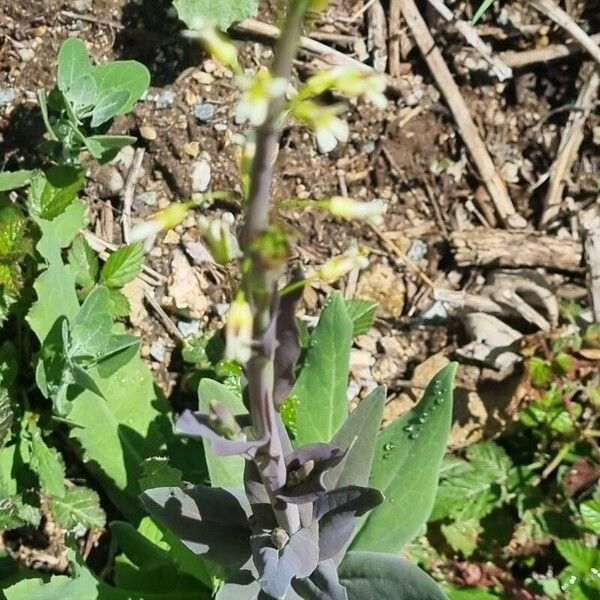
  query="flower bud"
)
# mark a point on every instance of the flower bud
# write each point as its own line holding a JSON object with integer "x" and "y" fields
{"x": 238, "y": 345}
{"x": 221, "y": 242}
{"x": 324, "y": 120}
{"x": 216, "y": 43}
{"x": 335, "y": 268}
{"x": 259, "y": 90}
{"x": 165, "y": 219}
{"x": 348, "y": 208}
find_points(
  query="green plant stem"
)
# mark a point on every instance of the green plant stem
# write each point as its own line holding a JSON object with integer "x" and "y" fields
{"x": 258, "y": 281}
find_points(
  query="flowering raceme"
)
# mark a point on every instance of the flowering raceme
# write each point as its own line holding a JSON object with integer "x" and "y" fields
{"x": 324, "y": 120}
{"x": 259, "y": 90}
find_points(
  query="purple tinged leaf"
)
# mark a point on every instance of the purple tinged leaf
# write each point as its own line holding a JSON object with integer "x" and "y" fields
{"x": 323, "y": 584}
{"x": 306, "y": 468}
{"x": 201, "y": 425}
{"x": 288, "y": 349}
{"x": 276, "y": 568}
{"x": 337, "y": 512}
{"x": 210, "y": 521}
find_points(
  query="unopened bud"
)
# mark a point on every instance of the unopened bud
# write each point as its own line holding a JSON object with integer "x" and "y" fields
{"x": 279, "y": 537}
{"x": 221, "y": 242}
{"x": 335, "y": 268}
{"x": 348, "y": 208}
{"x": 161, "y": 221}
{"x": 301, "y": 473}
{"x": 238, "y": 345}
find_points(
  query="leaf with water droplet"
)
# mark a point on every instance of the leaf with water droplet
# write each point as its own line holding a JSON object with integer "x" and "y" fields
{"x": 416, "y": 460}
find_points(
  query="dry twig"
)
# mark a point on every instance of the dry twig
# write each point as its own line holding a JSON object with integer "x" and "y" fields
{"x": 592, "y": 259}
{"x": 562, "y": 19}
{"x": 468, "y": 129}
{"x": 571, "y": 140}
{"x": 500, "y": 69}
{"x": 377, "y": 35}
{"x": 128, "y": 192}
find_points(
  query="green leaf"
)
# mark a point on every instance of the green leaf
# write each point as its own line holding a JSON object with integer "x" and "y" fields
{"x": 109, "y": 106}
{"x": 6, "y": 416}
{"x": 321, "y": 385}
{"x": 224, "y": 471}
{"x": 119, "y": 304}
{"x": 590, "y": 513}
{"x": 91, "y": 328}
{"x": 406, "y": 468}
{"x": 83, "y": 261}
{"x": 359, "y": 433}
{"x": 83, "y": 93}
{"x": 78, "y": 506}
{"x": 16, "y": 179}
{"x": 100, "y": 145}
{"x": 123, "y": 266}
{"x": 463, "y": 536}
{"x": 581, "y": 557}
{"x": 128, "y": 76}
{"x": 222, "y": 13}
{"x": 130, "y": 428}
{"x": 47, "y": 463}
{"x": 159, "y": 473}
{"x": 362, "y": 313}
{"x": 372, "y": 575}
{"x": 540, "y": 371}
{"x": 73, "y": 63}
{"x": 51, "y": 194}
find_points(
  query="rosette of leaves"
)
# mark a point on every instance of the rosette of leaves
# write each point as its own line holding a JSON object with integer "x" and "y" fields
{"x": 285, "y": 534}
{"x": 78, "y": 111}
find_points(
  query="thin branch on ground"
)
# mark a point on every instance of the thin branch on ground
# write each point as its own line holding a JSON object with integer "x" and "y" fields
{"x": 129, "y": 191}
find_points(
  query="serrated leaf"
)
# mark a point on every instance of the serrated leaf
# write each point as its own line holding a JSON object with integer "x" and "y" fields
{"x": 372, "y": 575}
{"x": 581, "y": 557}
{"x": 321, "y": 385}
{"x": 590, "y": 513}
{"x": 122, "y": 266}
{"x": 51, "y": 194}
{"x": 223, "y": 13}
{"x": 409, "y": 450}
{"x": 13, "y": 226}
{"x": 129, "y": 78}
{"x": 119, "y": 304}
{"x": 73, "y": 63}
{"x": 83, "y": 261}
{"x": 79, "y": 506}
{"x": 14, "y": 179}
{"x": 47, "y": 463}
{"x": 109, "y": 106}
{"x": 224, "y": 471}
{"x": 463, "y": 536}
{"x": 6, "y": 416}
{"x": 362, "y": 314}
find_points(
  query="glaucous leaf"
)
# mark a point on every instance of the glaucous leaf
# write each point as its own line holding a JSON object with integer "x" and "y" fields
{"x": 224, "y": 471}
{"x": 409, "y": 450}
{"x": 386, "y": 577}
{"x": 102, "y": 147}
{"x": 122, "y": 266}
{"x": 322, "y": 584}
{"x": 127, "y": 77}
{"x": 357, "y": 437}
{"x": 73, "y": 63}
{"x": 108, "y": 106}
{"x": 82, "y": 94}
{"x": 209, "y": 521}
{"x": 321, "y": 385}
{"x": 194, "y": 12}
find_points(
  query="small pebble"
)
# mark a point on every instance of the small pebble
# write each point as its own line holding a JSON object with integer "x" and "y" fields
{"x": 7, "y": 95}
{"x": 417, "y": 250}
{"x": 25, "y": 54}
{"x": 203, "y": 78}
{"x": 188, "y": 328}
{"x": 165, "y": 99}
{"x": 201, "y": 174}
{"x": 148, "y": 132}
{"x": 158, "y": 351}
{"x": 221, "y": 127}
{"x": 204, "y": 111}
{"x": 369, "y": 147}
{"x": 192, "y": 148}
{"x": 148, "y": 198}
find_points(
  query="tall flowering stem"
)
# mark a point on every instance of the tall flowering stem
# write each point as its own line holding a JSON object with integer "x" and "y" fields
{"x": 259, "y": 278}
